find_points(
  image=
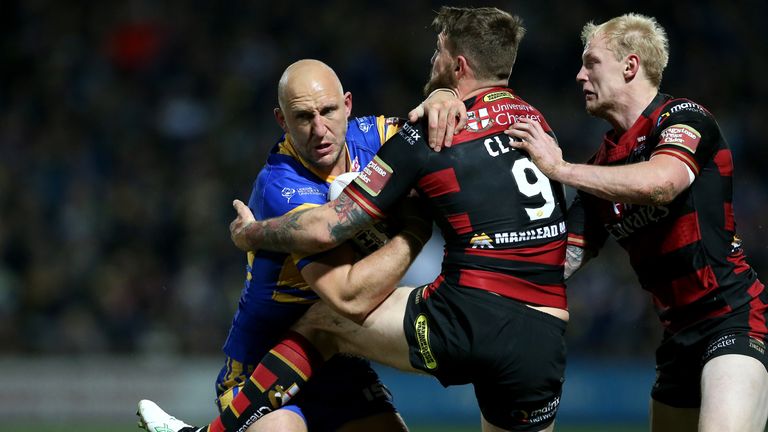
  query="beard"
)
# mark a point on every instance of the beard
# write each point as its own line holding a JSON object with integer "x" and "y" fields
{"x": 445, "y": 78}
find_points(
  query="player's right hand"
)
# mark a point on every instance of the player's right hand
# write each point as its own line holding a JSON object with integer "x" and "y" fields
{"x": 446, "y": 114}
{"x": 238, "y": 229}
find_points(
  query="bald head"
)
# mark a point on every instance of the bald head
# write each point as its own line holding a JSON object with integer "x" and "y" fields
{"x": 305, "y": 77}
{"x": 314, "y": 111}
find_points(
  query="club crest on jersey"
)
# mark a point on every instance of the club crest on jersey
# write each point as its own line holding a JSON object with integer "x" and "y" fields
{"x": 478, "y": 121}
{"x": 364, "y": 126}
{"x": 288, "y": 193}
{"x": 481, "y": 241}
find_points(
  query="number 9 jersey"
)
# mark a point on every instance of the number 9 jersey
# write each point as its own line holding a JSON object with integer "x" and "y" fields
{"x": 501, "y": 218}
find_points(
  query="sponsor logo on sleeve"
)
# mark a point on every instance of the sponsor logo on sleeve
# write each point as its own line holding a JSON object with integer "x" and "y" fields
{"x": 682, "y": 106}
{"x": 681, "y": 136}
{"x": 409, "y": 134}
{"x": 374, "y": 176}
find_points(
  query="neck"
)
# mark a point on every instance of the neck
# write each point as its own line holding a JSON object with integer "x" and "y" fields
{"x": 630, "y": 108}
{"x": 469, "y": 88}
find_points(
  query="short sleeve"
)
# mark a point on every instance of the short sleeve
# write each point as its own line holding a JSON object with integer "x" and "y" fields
{"x": 392, "y": 172}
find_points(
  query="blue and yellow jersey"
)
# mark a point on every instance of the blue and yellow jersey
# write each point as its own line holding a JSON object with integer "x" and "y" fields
{"x": 275, "y": 295}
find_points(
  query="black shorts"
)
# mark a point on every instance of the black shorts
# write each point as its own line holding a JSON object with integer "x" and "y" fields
{"x": 512, "y": 354}
{"x": 681, "y": 356}
{"x": 346, "y": 388}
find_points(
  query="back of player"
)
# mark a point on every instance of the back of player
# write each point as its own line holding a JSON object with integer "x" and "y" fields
{"x": 501, "y": 218}
{"x": 503, "y": 224}
{"x": 275, "y": 295}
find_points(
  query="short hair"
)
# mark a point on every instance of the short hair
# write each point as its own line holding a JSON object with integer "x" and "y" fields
{"x": 634, "y": 34}
{"x": 487, "y": 37}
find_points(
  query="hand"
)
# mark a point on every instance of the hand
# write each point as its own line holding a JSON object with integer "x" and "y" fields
{"x": 446, "y": 115}
{"x": 541, "y": 147}
{"x": 238, "y": 229}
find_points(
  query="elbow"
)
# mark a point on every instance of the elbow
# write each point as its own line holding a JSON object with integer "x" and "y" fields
{"x": 660, "y": 194}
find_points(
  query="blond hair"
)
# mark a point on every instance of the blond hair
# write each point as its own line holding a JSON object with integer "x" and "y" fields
{"x": 634, "y": 34}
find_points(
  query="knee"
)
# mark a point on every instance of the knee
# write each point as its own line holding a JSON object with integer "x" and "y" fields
{"x": 317, "y": 327}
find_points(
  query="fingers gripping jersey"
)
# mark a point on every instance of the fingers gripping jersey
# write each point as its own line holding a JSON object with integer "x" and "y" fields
{"x": 275, "y": 294}
{"x": 501, "y": 218}
{"x": 685, "y": 253}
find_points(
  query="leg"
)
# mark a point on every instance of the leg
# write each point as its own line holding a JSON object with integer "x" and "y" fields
{"x": 665, "y": 418}
{"x": 385, "y": 422}
{"x": 488, "y": 427}
{"x": 734, "y": 391}
{"x": 381, "y": 337}
{"x": 280, "y": 420}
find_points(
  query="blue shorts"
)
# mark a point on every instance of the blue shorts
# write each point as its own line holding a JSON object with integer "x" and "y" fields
{"x": 345, "y": 389}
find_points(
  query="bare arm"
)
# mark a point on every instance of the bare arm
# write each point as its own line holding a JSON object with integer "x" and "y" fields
{"x": 355, "y": 289}
{"x": 310, "y": 231}
{"x": 654, "y": 182}
{"x": 575, "y": 258}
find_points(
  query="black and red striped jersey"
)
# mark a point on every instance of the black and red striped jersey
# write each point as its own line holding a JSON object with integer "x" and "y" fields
{"x": 685, "y": 253}
{"x": 501, "y": 218}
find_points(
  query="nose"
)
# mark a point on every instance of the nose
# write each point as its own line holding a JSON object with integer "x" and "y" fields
{"x": 581, "y": 77}
{"x": 319, "y": 127}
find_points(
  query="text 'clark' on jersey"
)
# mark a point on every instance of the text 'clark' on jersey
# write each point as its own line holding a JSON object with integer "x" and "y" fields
{"x": 501, "y": 218}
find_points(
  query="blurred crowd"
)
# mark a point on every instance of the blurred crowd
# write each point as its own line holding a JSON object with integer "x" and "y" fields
{"x": 127, "y": 128}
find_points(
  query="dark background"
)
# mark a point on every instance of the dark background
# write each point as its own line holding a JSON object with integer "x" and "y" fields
{"x": 127, "y": 128}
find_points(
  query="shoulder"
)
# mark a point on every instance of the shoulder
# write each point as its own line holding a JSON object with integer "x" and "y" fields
{"x": 280, "y": 188}
{"x": 682, "y": 110}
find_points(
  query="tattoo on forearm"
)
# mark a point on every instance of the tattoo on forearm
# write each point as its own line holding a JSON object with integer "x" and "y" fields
{"x": 575, "y": 258}
{"x": 280, "y": 233}
{"x": 351, "y": 219}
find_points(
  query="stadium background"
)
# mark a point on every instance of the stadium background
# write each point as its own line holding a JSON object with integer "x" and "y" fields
{"x": 126, "y": 129}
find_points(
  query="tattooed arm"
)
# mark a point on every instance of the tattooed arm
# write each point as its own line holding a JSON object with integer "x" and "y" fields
{"x": 575, "y": 258}
{"x": 308, "y": 231}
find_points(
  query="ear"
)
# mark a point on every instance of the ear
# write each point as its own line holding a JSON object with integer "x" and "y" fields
{"x": 462, "y": 67}
{"x": 280, "y": 118}
{"x": 631, "y": 67}
{"x": 348, "y": 103}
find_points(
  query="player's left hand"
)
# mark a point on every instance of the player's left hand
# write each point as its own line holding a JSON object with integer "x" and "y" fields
{"x": 541, "y": 147}
{"x": 446, "y": 116}
{"x": 238, "y": 229}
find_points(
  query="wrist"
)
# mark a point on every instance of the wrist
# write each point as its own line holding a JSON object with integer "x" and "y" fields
{"x": 251, "y": 235}
{"x": 444, "y": 89}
